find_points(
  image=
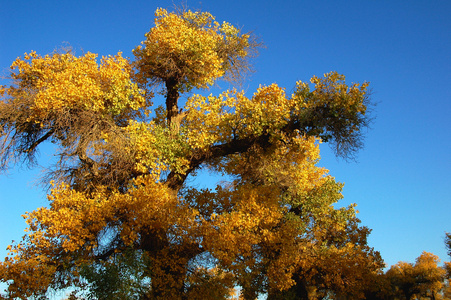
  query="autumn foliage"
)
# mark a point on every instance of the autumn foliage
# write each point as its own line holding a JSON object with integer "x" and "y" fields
{"x": 123, "y": 207}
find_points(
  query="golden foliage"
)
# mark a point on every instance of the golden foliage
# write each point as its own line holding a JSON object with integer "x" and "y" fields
{"x": 422, "y": 279}
{"x": 122, "y": 182}
{"x": 191, "y": 48}
{"x": 58, "y": 81}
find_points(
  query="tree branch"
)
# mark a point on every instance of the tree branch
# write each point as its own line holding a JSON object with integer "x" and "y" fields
{"x": 40, "y": 140}
{"x": 175, "y": 180}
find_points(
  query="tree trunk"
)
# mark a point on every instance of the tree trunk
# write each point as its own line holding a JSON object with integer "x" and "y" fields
{"x": 172, "y": 96}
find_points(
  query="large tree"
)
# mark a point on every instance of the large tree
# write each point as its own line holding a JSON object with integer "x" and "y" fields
{"x": 121, "y": 189}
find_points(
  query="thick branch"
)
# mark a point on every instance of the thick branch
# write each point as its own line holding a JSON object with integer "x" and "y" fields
{"x": 175, "y": 180}
{"x": 40, "y": 140}
{"x": 319, "y": 121}
{"x": 86, "y": 159}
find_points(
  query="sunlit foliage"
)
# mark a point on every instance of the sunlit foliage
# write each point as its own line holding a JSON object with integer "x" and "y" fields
{"x": 122, "y": 206}
{"x": 424, "y": 279}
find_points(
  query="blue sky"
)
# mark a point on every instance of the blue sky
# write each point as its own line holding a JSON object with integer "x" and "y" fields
{"x": 401, "y": 179}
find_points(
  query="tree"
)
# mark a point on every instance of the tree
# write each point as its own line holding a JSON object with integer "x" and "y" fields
{"x": 448, "y": 242}
{"x": 422, "y": 279}
{"x": 447, "y": 286}
{"x": 430, "y": 276}
{"x": 120, "y": 188}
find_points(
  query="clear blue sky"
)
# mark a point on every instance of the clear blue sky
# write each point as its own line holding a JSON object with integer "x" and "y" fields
{"x": 401, "y": 179}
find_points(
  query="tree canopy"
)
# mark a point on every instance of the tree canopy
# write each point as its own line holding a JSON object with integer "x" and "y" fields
{"x": 120, "y": 194}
